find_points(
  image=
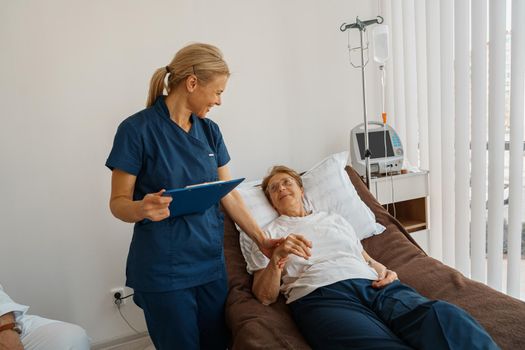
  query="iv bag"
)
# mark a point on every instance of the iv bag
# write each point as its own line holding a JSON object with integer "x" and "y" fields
{"x": 380, "y": 35}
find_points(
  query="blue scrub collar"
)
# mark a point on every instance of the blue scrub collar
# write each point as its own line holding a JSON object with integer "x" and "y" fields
{"x": 161, "y": 107}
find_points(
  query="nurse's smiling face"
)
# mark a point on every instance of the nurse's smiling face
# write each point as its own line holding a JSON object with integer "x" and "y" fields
{"x": 207, "y": 95}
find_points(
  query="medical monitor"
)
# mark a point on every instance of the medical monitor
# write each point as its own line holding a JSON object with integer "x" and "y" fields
{"x": 386, "y": 151}
{"x": 376, "y": 142}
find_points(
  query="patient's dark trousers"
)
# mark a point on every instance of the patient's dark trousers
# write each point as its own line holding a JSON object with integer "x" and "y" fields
{"x": 351, "y": 314}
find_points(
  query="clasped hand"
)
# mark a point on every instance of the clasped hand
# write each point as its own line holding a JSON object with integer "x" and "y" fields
{"x": 292, "y": 244}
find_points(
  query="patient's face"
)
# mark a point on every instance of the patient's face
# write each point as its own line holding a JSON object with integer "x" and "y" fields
{"x": 285, "y": 194}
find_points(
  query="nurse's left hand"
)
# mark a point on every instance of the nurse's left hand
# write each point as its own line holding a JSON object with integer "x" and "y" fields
{"x": 302, "y": 245}
{"x": 269, "y": 244}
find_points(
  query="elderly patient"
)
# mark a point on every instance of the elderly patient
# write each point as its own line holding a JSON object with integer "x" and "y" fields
{"x": 339, "y": 296}
{"x": 19, "y": 330}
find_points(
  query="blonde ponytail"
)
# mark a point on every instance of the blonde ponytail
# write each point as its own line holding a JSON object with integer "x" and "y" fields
{"x": 156, "y": 86}
{"x": 205, "y": 61}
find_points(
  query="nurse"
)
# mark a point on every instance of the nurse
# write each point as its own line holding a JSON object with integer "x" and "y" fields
{"x": 176, "y": 264}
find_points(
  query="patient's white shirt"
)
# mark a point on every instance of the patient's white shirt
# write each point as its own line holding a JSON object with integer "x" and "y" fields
{"x": 39, "y": 333}
{"x": 336, "y": 253}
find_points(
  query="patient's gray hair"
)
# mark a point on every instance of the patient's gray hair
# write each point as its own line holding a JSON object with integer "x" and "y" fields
{"x": 280, "y": 169}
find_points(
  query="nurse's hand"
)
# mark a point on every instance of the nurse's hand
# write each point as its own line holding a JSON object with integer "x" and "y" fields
{"x": 293, "y": 244}
{"x": 155, "y": 207}
{"x": 301, "y": 246}
{"x": 268, "y": 245}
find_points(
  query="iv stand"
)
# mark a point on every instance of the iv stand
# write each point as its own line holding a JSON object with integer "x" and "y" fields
{"x": 361, "y": 25}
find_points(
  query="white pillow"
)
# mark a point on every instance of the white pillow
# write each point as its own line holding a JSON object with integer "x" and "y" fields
{"x": 328, "y": 188}
{"x": 261, "y": 210}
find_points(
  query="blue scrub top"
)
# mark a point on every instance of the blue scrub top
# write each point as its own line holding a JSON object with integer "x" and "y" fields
{"x": 184, "y": 251}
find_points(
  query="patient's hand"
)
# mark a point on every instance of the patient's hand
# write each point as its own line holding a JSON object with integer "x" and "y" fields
{"x": 281, "y": 263}
{"x": 385, "y": 276}
{"x": 293, "y": 244}
{"x": 269, "y": 244}
{"x": 301, "y": 244}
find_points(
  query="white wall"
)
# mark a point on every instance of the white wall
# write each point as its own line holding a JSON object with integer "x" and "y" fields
{"x": 70, "y": 71}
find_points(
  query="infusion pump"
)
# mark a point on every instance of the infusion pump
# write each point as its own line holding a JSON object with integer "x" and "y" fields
{"x": 384, "y": 145}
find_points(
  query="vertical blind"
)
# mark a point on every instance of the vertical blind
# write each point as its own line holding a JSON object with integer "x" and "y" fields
{"x": 462, "y": 134}
{"x": 448, "y": 95}
{"x": 516, "y": 146}
{"x": 409, "y": 49}
{"x": 446, "y": 25}
{"x": 421, "y": 78}
{"x": 478, "y": 142}
{"x": 496, "y": 141}
{"x": 432, "y": 16}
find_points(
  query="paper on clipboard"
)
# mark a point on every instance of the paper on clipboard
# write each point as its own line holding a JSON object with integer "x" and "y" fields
{"x": 197, "y": 198}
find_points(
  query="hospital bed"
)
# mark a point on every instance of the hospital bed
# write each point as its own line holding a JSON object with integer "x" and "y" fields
{"x": 255, "y": 326}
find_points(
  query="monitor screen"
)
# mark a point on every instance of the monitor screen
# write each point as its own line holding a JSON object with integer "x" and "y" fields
{"x": 376, "y": 143}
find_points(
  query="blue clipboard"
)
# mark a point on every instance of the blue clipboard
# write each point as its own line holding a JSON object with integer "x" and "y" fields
{"x": 198, "y": 198}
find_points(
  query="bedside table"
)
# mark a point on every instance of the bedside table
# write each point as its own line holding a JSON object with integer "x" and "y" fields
{"x": 406, "y": 198}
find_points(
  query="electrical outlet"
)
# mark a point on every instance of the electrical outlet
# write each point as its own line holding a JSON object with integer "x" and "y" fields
{"x": 116, "y": 293}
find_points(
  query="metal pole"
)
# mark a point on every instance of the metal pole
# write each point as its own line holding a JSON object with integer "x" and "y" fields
{"x": 361, "y": 25}
{"x": 367, "y": 151}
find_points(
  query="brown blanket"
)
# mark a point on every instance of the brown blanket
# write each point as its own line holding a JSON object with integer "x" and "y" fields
{"x": 255, "y": 326}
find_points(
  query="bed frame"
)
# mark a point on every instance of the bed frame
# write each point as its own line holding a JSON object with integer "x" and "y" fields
{"x": 255, "y": 326}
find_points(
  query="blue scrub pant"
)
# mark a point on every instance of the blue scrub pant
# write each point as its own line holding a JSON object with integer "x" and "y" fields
{"x": 351, "y": 314}
{"x": 191, "y": 318}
